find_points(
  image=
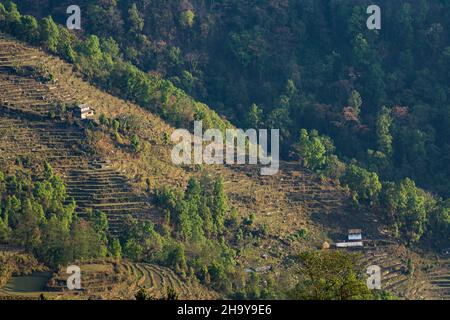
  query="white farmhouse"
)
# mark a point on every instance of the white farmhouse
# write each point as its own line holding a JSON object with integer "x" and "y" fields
{"x": 354, "y": 235}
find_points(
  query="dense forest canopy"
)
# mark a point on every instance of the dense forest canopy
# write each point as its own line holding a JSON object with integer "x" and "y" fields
{"x": 301, "y": 64}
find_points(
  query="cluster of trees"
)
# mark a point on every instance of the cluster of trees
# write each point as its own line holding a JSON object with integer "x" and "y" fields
{"x": 317, "y": 153}
{"x": 414, "y": 214}
{"x": 365, "y": 185}
{"x": 42, "y": 32}
{"x": 100, "y": 60}
{"x": 198, "y": 212}
{"x": 36, "y": 213}
{"x": 330, "y": 275}
{"x": 205, "y": 228}
{"x": 196, "y": 218}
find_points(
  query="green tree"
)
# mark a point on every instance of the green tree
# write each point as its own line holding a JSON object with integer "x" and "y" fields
{"x": 49, "y": 34}
{"x": 65, "y": 49}
{"x": 12, "y": 18}
{"x": 406, "y": 206}
{"x": 29, "y": 29}
{"x": 135, "y": 19}
{"x": 208, "y": 221}
{"x": 5, "y": 231}
{"x": 219, "y": 277}
{"x": 91, "y": 48}
{"x": 116, "y": 125}
{"x": 193, "y": 197}
{"x": 85, "y": 242}
{"x": 171, "y": 294}
{"x": 183, "y": 220}
{"x": 48, "y": 171}
{"x": 2, "y": 15}
{"x": 116, "y": 249}
{"x": 2, "y": 183}
{"x": 12, "y": 210}
{"x": 187, "y": 18}
{"x": 365, "y": 185}
{"x": 193, "y": 191}
{"x": 143, "y": 295}
{"x": 135, "y": 143}
{"x": 110, "y": 47}
{"x": 438, "y": 229}
{"x": 384, "y": 137}
{"x": 133, "y": 250}
{"x": 254, "y": 117}
{"x": 281, "y": 118}
{"x": 177, "y": 258}
{"x": 219, "y": 204}
{"x": 252, "y": 287}
{"x": 355, "y": 102}
{"x": 334, "y": 168}
{"x": 329, "y": 275}
{"x": 99, "y": 222}
{"x": 27, "y": 231}
{"x": 56, "y": 245}
{"x": 312, "y": 150}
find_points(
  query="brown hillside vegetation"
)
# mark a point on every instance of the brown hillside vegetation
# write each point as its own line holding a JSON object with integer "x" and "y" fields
{"x": 121, "y": 280}
{"x": 101, "y": 173}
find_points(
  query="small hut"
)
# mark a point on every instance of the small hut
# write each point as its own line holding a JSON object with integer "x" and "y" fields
{"x": 83, "y": 111}
{"x": 354, "y": 235}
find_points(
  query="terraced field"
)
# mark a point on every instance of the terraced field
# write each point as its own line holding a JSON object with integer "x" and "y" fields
{"x": 97, "y": 279}
{"x": 439, "y": 280}
{"x": 12, "y": 54}
{"x": 31, "y": 285}
{"x": 111, "y": 280}
{"x": 393, "y": 263}
{"x": 89, "y": 180}
{"x": 157, "y": 279}
{"x": 39, "y": 139}
{"x": 102, "y": 188}
{"x": 417, "y": 284}
{"x": 293, "y": 199}
{"x": 20, "y": 89}
{"x": 24, "y": 93}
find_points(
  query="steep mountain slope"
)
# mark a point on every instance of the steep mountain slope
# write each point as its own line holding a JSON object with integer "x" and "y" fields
{"x": 101, "y": 173}
{"x": 300, "y": 63}
{"x": 160, "y": 168}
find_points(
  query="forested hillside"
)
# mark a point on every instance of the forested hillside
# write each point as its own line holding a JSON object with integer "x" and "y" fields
{"x": 301, "y": 64}
{"x": 367, "y": 108}
{"x": 365, "y": 141}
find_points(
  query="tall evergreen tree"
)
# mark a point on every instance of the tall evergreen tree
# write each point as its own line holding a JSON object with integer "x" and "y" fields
{"x": 49, "y": 34}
